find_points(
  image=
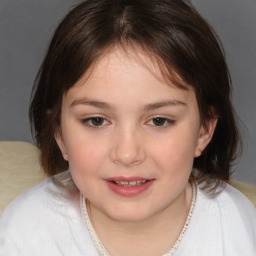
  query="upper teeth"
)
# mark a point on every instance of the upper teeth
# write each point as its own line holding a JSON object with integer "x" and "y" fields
{"x": 130, "y": 183}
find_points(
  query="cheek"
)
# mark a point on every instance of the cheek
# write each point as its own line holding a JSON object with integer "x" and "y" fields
{"x": 86, "y": 157}
{"x": 176, "y": 153}
{"x": 85, "y": 161}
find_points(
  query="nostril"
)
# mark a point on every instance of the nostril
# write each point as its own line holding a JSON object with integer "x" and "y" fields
{"x": 127, "y": 152}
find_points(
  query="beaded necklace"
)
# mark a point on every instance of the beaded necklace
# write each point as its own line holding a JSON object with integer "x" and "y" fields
{"x": 101, "y": 249}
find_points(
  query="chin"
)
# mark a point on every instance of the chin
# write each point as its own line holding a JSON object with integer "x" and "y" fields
{"x": 130, "y": 218}
{"x": 128, "y": 214}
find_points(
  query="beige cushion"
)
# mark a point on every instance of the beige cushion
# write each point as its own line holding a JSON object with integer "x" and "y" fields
{"x": 20, "y": 170}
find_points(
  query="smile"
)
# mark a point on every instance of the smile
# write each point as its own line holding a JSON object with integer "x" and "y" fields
{"x": 129, "y": 186}
{"x": 130, "y": 183}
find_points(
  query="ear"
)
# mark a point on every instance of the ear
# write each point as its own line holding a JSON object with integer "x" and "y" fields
{"x": 205, "y": 135}
{"x": 59, "y": 139}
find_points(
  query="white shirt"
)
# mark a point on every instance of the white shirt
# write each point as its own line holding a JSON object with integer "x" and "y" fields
{"x": 45, "y": 220}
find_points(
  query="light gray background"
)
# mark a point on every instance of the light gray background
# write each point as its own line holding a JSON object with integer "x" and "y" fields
{"x": 26, "y": 27}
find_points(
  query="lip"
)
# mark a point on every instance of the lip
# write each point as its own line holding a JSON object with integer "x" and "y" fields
{"x": 126, "y": 178}
{"x": 128, "y": 190}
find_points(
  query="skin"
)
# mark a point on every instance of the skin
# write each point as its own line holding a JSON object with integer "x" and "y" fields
{"x": 127, "y": 141}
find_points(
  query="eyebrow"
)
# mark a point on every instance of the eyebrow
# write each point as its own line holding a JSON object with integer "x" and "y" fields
{"x": 148, "y": 107}
{"x": 160, "y": 104}
{"x": 94, "y": 103}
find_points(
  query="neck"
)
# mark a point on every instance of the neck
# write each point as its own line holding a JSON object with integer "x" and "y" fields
{"x": 122, "y": 238}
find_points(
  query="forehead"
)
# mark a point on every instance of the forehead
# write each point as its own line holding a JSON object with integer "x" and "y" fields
{"x": 119, "y": 73}
{"x": 135, "y": 56}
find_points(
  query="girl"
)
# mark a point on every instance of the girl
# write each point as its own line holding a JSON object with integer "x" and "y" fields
{"x": 131, "y": 111}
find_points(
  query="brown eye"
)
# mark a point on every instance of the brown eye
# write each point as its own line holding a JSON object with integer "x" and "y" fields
{"x": 97, "y": 121}
{"x": 159, "y": 121}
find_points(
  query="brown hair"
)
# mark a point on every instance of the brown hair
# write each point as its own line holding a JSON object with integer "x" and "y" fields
{"x": 173, "y": 31}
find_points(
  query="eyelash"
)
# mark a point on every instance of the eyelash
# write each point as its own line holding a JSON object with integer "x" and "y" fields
{"x": 164, "y": 122}
{"x": 167, "y": 122}
{"x": 88, "y": 122}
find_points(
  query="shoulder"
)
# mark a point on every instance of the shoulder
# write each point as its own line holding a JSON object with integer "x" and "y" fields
{"x": 42, "y": 213}
{"x": 45, "y": 195}
{"x": 236, "y": 217}
{"x": 45, "y": 220}
{"x": 233, "y": 204}
{"x": 27, "y": 200}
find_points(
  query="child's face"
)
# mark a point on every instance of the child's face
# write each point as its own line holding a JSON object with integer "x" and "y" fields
{"x": 124, "y": 125}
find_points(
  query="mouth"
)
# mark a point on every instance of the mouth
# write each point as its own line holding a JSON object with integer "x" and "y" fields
{"x": 130, "y": 183}
{"x": 129, "y": 186}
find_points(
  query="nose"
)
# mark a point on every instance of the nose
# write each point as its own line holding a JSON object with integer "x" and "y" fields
{"x": 128, "y": 148}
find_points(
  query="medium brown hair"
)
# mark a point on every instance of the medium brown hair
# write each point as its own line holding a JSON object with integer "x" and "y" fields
{"x": 171, "y": 30}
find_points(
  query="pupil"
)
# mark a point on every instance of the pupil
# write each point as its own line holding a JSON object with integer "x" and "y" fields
{"x": 97, "y": 121}
{"x": 159, "y": 121}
